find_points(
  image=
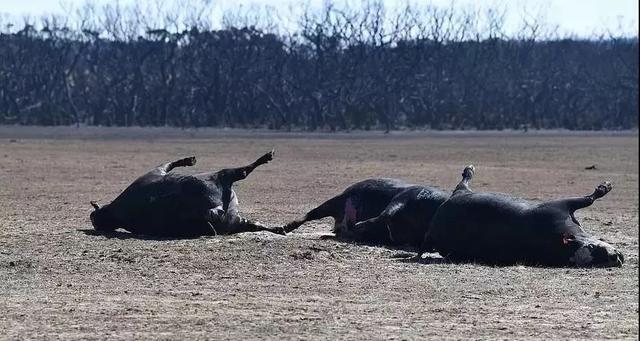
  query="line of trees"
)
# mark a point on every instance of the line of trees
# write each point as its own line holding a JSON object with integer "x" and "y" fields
{"x": 337, "y": 69}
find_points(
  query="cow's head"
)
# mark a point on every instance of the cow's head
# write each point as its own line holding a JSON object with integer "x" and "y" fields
{"x": 581, "y": 249}
{"x": 587, "y": 251}
{"x": 102, "y": 219}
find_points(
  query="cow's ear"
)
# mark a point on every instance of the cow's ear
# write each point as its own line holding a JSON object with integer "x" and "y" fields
{"x": 95, "y": 205}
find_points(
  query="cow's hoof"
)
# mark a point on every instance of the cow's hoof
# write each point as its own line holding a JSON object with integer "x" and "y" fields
{"x": 187, "y": 161}
{"x": 603, "y": 189}
{"x": 468, "y": 171}
{"x": 264, "y": 158}
{"x": 269, "y": 156}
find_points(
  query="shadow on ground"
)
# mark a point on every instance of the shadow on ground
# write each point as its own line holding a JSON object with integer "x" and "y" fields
{"x": 127, "y": 235}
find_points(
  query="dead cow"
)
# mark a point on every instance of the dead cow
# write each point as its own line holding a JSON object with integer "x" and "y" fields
{"x": 379, "y": 212}
{"x": 172, "y": 204}
{"x": 500, "y": 229}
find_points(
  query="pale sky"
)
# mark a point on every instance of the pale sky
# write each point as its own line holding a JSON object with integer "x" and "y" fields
{"x": 579, "y": 17}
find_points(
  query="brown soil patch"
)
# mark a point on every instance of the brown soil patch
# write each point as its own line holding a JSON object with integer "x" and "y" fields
{"x": 58, "y": 282}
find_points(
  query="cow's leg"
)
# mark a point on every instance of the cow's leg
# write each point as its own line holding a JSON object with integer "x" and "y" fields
{"x": 467, "y": 175}
{"x": 231, "y": 175}
{"x": 296, "y": 223}
{"x": 374, "y": 230}
{"x": 238, "y": 224}
{"x": 462, "y": 187}
{"x": 392, "y": 210}
{"x": 573, "y": 204}
{"x": 160, "y": 171}
{"x": 226, "y": 177}
{"x": 373, "y": 221}
{"x": 215, "y": 217}
{"x": 374, "y": 224}
{"x": 230, "y": 222}
{"x": 426, "y": 245}
{"x": 167, "y": 167}
{"x": 329, "y": 208}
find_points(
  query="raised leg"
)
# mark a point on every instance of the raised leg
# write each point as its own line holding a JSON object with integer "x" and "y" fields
{"x": 573, "y": 204}
{"x": 231, "y": 175}
{"x": 467, "y": 175}
{"x": 167, "y": 167}
{"x": 160, "y": 171}
{"x": 226, "y": 177}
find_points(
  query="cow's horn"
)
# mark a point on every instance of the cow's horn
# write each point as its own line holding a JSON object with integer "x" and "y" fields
{"x": 95, "y": 205}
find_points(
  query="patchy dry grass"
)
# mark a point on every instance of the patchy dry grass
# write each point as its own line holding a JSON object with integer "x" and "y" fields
{"x": 59, "y": 282}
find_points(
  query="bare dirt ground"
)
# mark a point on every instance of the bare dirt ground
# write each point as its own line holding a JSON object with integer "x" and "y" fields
{"x": 58, "y": 282}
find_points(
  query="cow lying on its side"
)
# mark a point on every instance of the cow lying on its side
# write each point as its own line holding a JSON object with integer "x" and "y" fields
{"x": 499, "y": 229}
{"x": 379, "y": 212}
{"x": 170, "y": 204}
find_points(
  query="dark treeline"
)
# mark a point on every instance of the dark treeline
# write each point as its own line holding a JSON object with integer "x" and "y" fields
{"x": 363, "y": 68}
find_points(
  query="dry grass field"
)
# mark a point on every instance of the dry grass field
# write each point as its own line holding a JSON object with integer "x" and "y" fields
{"x": 57, "y": 281}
